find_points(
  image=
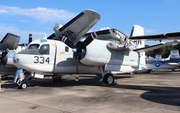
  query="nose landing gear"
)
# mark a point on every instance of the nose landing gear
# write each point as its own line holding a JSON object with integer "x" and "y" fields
{"x": 21, "y": 78}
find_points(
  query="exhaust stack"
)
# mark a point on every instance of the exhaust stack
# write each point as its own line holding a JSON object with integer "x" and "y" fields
{"x": 30, "y": 38}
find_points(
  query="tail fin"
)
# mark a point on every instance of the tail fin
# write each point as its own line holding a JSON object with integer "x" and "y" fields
{"x": 158, "y": 57}
{"x": 174, "y": 54}
{"x": 139, "y": 31}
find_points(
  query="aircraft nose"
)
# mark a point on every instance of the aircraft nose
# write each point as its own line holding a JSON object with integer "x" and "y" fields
{"x": 16, "y": 61}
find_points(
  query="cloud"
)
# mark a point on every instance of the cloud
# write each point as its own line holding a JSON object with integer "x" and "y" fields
{"x": 40, "y": 13}
{"x": 103, "y": 28}
{"x": 4, "y": 28}
{"x": 150, "y": 31}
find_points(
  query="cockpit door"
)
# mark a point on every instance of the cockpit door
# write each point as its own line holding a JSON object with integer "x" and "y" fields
{"x": 48, "y": 57}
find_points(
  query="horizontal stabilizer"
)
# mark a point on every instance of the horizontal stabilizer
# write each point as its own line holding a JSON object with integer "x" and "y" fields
{"x": 149, "y": 48}
{"x": 173, "y": 64}
{"x": 166, "y": 36}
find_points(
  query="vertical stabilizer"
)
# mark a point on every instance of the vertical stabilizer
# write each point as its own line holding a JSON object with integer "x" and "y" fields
{"x": 174, "y": 54}
{"x": 158, "y": 57}
{"x": 139, "y": 31}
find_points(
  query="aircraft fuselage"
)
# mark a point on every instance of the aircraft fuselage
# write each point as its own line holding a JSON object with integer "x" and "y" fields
{"x": 51, "y": 56}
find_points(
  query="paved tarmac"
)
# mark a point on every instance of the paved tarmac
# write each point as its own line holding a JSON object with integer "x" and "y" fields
{"x": 157, "y": 92}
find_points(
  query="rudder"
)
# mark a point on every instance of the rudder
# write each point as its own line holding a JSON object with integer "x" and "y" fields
{"x": 139, "y": 31}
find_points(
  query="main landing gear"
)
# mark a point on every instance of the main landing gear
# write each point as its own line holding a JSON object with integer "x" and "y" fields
{"x": 149, "y": 71}
{"x": 108, "y": 78}
{"x": 56, "y": 78}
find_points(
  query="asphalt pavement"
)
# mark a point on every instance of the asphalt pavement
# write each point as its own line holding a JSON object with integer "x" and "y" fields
{"x": 157, "y": 92}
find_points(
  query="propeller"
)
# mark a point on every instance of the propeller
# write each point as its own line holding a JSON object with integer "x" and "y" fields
{"x": 78, "y": 48}
{"x": 4, "y": 53}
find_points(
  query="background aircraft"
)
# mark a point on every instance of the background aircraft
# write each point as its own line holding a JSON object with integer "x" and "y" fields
{"x": 71, "y": 50}
{"x": 9, "y": 47}
{"x": 8, "y": 44}
{"x": 172, "y": 62}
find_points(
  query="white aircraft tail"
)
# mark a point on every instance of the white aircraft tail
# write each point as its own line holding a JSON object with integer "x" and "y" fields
{"x": 158, "y": 57}
{"x": 174, "y": 54}
{"x": 139, "y": 31}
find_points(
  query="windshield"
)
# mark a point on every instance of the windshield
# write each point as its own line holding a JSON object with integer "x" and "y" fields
{"x": 33, "y": 46}
{"x": 44, "y": 49}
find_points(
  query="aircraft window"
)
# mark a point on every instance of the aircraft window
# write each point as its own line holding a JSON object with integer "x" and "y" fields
{"x": 44, "y": 49}
{"x": 67, "y": 49}
{"x": 33, "y": 46}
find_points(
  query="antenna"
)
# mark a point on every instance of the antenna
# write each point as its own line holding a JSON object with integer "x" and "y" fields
{"x": 45, "y": 35}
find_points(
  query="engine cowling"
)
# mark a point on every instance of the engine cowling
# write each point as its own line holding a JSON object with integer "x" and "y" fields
{"x": 98, "y": 54}
{"x": 93, "y": 54}
{"x": 8, "y": 59}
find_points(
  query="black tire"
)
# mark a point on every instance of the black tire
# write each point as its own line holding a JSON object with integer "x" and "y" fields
{"x": 108, "y": 79}
{"x": 56, "y": 78}
{"x": 23, "y": 85}
{"x": 149, "y": 71}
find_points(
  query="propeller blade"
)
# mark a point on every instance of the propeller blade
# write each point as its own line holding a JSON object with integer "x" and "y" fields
{"x": 88, "y": 40}
{"x": 77, "y": 67}
{"x": 4, "y": 53}
{"x": 61, "y": 37}
{"x": 67, "y": 41}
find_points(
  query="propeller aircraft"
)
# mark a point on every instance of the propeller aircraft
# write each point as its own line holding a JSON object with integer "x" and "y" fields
{"x": 172, "y": 62}
{"x": 7, "y": 45}
{"x": 71, "y": 50}
{"x": 8, "y": 48}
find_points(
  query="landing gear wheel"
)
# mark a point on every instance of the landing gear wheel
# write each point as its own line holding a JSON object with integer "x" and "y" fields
{"x": 56, "y": 78}
{"x": 108, "y": 79}
{"x": 149, "y": 71}
{"x": 23, "y": 85}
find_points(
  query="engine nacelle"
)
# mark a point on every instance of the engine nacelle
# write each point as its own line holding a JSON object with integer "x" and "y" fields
{"x": 98, "y": 54}
{"x": 94, "y": 54}
{"x": 8, "y": 60}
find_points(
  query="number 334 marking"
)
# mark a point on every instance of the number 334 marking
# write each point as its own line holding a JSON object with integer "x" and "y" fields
{"x": 41, "y": 60}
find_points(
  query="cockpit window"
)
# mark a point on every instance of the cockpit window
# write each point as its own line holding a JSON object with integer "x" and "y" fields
{"x": 44, "y": 49}
{"x": 33, "y": 46}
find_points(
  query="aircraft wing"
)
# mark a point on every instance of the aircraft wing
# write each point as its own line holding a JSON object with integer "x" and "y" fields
{"x": 149, "y": 48}
{"x": 166, "y": 36}
{"x": 9, "y": 41}
{"x": 78, "y": 26}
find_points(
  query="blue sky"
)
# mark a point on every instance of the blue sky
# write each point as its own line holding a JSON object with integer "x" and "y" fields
{"x": 22, "y": 17}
